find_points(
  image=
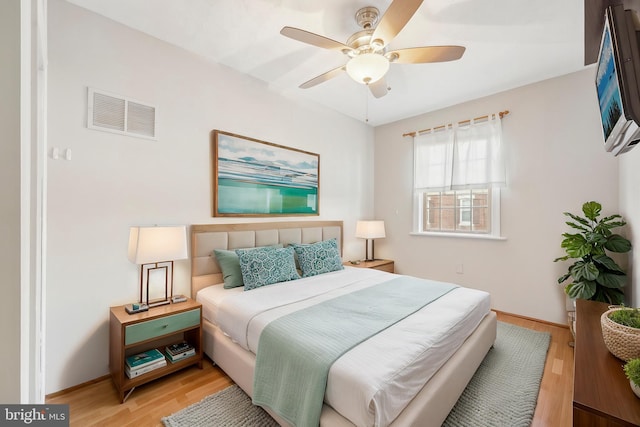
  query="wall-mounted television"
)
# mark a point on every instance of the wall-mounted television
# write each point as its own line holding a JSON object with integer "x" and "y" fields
{"x": 618, "y": 80}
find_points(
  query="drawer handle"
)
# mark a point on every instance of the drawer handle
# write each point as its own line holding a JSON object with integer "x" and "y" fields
{"x": 164, "y": 326}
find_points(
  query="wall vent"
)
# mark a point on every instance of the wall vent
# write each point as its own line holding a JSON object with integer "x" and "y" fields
{"x": 114, "y": 113}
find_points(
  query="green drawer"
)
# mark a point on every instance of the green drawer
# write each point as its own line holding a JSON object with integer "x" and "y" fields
{"x": 165, "y": 325}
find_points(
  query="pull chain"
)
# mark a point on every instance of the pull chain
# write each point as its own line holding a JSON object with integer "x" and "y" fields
{"x": 366, "y": 103}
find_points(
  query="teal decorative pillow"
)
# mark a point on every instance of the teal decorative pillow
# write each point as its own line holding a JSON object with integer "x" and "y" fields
{"x": 318, "y": 258}
{"x": 230, "y": 266}
{"x": 266, "y": 266}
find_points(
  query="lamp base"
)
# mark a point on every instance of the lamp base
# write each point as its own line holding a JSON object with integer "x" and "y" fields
{"x": 366, "y": 251}
{"x": 158, "y": 303}
{"x": 178, "y": 298}
{"x": 136, "y": 308}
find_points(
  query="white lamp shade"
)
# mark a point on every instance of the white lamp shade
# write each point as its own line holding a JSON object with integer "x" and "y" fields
{"x": 367, "y": 68}
{"x": 370, "y": 229}
{"x": 157, "y": 244}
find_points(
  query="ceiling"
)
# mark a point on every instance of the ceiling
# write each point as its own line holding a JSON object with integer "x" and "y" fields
{"x": 509, "y": 43}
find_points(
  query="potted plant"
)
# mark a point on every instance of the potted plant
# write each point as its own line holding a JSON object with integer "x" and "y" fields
{"x": 626, "y": 316}
{"x": 632, "y": 371}
{"x": 595, "y": 275}
{"x": 621, "y": 332}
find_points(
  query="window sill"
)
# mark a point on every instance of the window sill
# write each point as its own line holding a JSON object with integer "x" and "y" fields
{"x": 457, "y": 235}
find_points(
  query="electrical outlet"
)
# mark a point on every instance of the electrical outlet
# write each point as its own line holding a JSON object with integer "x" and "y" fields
{"x": 459, "y": 268}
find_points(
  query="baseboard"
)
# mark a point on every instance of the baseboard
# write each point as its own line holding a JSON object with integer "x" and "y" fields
{"x": 533, "y": 319}
{"x": 75, "y": 387}
{"x": 93, "y": 381}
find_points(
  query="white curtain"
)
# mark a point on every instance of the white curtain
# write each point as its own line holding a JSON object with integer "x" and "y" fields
{"x": 460, "y": 157}
{"x": 433, "y": 160}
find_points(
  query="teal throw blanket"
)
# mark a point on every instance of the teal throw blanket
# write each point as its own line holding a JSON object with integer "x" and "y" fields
{"x": 296, "y": 351}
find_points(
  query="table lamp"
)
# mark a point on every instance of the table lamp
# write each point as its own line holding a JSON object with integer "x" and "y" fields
{"x": 370, "y": 230}
{"x": 155, "y": 249}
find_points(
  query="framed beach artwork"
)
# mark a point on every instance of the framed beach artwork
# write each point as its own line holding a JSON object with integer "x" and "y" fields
{"x": 257, "y": 178}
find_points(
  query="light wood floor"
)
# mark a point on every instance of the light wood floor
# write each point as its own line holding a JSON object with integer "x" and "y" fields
{"x": 97, "y": 403}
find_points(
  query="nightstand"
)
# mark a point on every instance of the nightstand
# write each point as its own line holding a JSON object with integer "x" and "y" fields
{"x": 160, "y": 326}
{"x": 378, "y": 264}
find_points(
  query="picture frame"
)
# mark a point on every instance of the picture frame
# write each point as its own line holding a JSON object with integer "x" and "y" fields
{"x": 254, "y": 178}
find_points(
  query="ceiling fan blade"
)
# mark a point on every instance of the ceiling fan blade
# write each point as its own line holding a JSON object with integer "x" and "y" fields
{"x": 420, "y": 55}
{"x": 379, "y": 88}
{"x": 394, "y": 20}
{"x": 322, "y": 78}
{"x": 314, "y": 39}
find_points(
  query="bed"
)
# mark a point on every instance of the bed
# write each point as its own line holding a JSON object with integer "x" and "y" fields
{"x": 357, "y": 392}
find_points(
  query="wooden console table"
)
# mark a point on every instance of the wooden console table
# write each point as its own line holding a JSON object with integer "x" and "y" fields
{"x": 601, "y": 392}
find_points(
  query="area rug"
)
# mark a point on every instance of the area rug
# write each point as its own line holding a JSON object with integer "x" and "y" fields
{"x": 230, "y": 407}
{"x": 502, "y": 392}
{"x": 504, "y": 389}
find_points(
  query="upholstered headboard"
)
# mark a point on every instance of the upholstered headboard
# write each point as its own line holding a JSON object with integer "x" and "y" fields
{"x": 205, "y": 270}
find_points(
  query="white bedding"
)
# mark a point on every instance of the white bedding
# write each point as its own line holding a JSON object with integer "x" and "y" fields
{"x": 211, "y": 297}
{"x": 372, "y": 383}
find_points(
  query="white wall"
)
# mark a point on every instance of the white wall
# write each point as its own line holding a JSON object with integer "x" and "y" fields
{"x": 10, "y": 248}
{"x": 555, "y": 163}
{"x": 630, "y": 210}
{"x": 114, "y": 182}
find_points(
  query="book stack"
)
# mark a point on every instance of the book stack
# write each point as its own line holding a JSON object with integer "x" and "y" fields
{"x": 179, "y": 351}
{"x": 142, "y": 363}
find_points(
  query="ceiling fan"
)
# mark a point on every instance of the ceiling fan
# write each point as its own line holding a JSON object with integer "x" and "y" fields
{"x": 367, "y": 49}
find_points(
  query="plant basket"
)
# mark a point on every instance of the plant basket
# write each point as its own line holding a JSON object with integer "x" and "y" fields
{"x": 622, "y": 341}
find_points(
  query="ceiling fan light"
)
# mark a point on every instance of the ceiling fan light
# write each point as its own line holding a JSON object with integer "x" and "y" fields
{"x": 367, "y": 68}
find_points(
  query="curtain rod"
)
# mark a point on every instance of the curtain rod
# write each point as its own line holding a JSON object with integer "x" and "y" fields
{"x": 501, "y": 114}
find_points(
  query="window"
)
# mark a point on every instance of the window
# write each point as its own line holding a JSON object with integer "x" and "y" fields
{"x": 467, "y": 211}
{"x": 457, "y": 174}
